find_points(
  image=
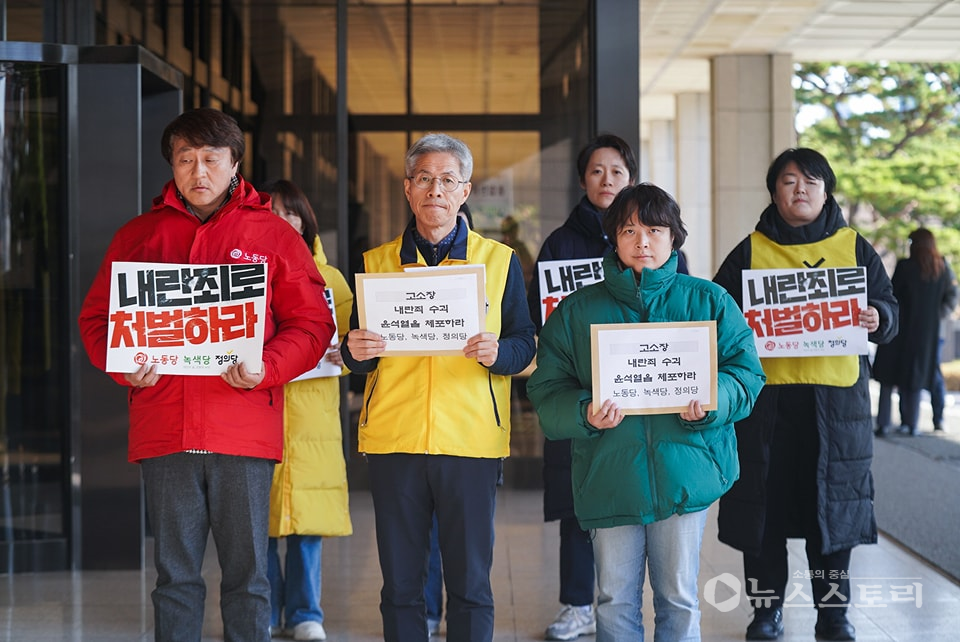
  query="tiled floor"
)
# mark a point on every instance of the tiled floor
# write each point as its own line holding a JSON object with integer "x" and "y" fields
{"x": 115, "y": 606}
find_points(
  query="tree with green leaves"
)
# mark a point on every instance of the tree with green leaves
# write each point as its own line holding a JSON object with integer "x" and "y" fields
{"x": 891, "y": 133}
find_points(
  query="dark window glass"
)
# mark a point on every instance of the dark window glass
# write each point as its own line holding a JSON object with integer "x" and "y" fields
{"x": 34, "y": 350}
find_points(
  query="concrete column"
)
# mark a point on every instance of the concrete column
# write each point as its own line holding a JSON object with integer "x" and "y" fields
{"x": 662, "y": 166}
{"x": 694, "y": 189}
{"x": 643, "y": 159}
{"x": 753, "y": 121}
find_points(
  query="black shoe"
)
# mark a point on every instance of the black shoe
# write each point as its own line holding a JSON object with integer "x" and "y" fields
{"x": 937, "y": 426}
{"x": 767, "y": 624}
{"x": 881, "y": 431}
{"x": 834, "y": 626}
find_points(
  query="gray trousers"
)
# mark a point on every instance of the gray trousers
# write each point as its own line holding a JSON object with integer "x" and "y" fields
{"x": 188, "y": 496}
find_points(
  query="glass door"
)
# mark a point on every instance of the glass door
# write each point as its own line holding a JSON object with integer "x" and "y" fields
{"x": 34, "y": 390}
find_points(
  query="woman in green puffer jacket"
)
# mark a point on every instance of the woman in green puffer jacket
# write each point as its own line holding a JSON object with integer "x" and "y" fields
{"x": 644, "y": 482}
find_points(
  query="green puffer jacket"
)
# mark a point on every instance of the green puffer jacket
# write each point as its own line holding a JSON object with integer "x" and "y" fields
{"x": 650, "y": 466}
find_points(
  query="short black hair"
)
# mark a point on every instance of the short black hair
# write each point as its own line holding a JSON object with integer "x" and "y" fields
{"x": 652, "y": 205}
{"x": 204, "y": 127}
{"x": 614, "y": 142}
{"x": 811, "y": 162}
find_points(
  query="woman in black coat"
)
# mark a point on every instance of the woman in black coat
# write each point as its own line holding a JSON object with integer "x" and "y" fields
{"x": 805, "y": 450}
{"x": 927, "y": 291}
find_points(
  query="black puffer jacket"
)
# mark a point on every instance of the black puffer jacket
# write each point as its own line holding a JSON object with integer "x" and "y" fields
{"x": 580, "y": 237}
{"x": 844, "y": 421}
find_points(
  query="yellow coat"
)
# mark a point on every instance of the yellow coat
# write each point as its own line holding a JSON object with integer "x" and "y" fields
{"x": 309, "y": 492}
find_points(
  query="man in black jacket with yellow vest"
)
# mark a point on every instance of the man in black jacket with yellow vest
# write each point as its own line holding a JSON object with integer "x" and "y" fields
{"x": 435, "y": 429}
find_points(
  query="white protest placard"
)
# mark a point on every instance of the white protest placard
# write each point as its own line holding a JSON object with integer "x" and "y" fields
{"x": 654, "y": 368}
{"x": 324, "y": 368}
{"x": 425, "y": 312}
{"x": 561, "y": 278}
{"x": 806, "y": 312}
{"x": 186, "y": 319}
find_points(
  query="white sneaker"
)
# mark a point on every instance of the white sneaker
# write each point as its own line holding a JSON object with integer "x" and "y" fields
{"x": 572, "y": 622}
{"x": 433, "y": 627}
{"x": 309, "y": 631}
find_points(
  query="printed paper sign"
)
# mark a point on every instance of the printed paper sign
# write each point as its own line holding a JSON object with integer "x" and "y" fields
{"x": 186, "y": 319}
{"x": 561, "y": 278}
{"x": 423, "y": 312}
{"x": 655, "y": 368}
{"x": 806, "y": 312}
{"x": 324, "y": 368}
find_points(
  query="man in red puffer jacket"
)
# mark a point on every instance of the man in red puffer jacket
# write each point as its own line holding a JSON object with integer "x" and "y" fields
{"x": 207, "y": 445}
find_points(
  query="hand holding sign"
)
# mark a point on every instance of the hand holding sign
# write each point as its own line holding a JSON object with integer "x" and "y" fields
{"x": 145, "y": 377}
{"x": 238, "y": 376}
{"x": 608, "y": 415}
{"x": 365, "y": 345}
{"x": 483, "y": 347}
{"x": 870, "y": 319}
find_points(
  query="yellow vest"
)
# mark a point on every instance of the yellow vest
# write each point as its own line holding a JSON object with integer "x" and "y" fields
{"x": 837, "y": 250}
{"x": 443, "y": 405}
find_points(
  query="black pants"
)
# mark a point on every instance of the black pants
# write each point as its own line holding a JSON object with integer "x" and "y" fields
{"x": 407, "y": 489}
{"x": 791, "y": 511}
{"x": 577, "y": 576}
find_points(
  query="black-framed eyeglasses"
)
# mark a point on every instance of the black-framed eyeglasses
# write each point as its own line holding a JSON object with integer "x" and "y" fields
{"x": 448, "y": 182}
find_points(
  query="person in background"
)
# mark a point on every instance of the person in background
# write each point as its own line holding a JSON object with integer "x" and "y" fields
{"x": 605, "y": 165}
{"x": 435, "y": 429}
{"x": 938, "y": 394}
{"x": 643, "y": 482}
{"x": 926, "y": 289}
{"x": 207, "y": 445}
{"x": 308, "y": 498}
{"x": 510, "y": 236}
{"x": 806, "y": 448}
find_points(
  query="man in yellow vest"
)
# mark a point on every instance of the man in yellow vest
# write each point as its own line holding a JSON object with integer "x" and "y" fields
{"x": 435, "y": 429}
{"x": 806, "y": 448}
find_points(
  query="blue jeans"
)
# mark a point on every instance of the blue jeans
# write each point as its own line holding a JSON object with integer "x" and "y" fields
{"x": 670, "y": 550}
{"x": 295, "y": 589}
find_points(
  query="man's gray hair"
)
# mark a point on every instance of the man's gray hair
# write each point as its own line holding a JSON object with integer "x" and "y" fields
{"x": 441, "y": 143}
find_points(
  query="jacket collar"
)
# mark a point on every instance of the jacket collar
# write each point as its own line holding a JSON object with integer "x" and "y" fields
{"x": 772, "y": 225}
{"x": 587, "y": 220}
{"x": 242, "y": 195}
{"x": 410, "y": 254}
{"x": 623, "y": 283}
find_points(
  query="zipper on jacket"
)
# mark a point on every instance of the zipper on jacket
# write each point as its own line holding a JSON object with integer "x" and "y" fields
{"x": 650, "y": 472}
{"x": 493, "y": 399}
{"x": 366, "y": 402}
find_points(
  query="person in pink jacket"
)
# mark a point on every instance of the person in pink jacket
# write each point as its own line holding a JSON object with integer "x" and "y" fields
{"x": 207, "y": 445}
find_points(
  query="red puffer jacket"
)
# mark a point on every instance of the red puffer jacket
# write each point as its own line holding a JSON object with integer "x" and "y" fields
{"x": 203, "y": 412}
